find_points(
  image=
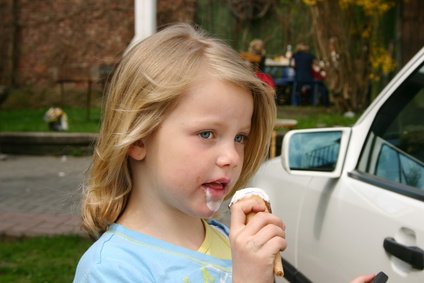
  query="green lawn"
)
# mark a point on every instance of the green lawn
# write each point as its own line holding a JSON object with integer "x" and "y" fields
{"x": 31, "y": 120}
{"x": 40, "y": 259}
{"x": 313, "y": 117}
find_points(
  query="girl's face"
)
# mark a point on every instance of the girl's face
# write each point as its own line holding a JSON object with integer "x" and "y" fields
{"x": 196, "y": 156}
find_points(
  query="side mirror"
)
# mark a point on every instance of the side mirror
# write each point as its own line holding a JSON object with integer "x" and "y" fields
{"x": 315, "y": 152}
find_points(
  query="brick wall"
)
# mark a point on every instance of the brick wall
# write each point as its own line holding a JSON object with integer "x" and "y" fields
{"x": 43, "y": 41}
{"x": 58, "y": 37}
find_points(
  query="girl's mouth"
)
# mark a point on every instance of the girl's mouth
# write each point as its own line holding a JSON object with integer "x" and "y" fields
{"x": 216, "y": 189}
{"x": 215, "y": 193}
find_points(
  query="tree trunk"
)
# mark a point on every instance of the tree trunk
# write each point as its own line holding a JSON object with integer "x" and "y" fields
{"x": 345, "y": 58}
{"x": 171, "y": 11}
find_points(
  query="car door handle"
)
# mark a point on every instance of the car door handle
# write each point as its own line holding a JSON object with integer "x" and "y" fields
{"x": 412, "y": 255}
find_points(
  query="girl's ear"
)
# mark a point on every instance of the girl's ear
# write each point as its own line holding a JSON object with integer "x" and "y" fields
{"x": 137, "y": 150}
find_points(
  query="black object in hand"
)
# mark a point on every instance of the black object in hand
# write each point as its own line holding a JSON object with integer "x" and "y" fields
{"x": 381, "y": 277}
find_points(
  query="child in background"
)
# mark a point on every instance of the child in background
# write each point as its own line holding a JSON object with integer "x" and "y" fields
{"x": 185, "y": 124}
{"x": 257, "y": 49}
{"x": 57, "y": 119}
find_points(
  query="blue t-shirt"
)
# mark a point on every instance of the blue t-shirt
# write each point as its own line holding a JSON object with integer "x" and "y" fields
{"x": 123, "y": 255}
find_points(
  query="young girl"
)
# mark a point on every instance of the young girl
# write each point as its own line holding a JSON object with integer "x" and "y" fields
{"x": 185, "y": 124}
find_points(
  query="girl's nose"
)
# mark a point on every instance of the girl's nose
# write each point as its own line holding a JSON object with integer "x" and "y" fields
{"x": 229, "y": 155}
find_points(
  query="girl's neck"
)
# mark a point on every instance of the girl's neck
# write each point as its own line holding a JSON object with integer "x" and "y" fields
{"x": 170, "y": 226}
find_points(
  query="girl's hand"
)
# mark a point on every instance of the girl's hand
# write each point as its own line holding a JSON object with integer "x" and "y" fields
{"x": 363, "y": 279}
{"x": 254, "y": 245}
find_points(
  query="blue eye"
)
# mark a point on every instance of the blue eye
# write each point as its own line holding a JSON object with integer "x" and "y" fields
{"x": 240, "y": 139}
{"x": 206, "y": 135}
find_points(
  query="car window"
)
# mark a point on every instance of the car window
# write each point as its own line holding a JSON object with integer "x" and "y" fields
{"x": 394, "y": 149}
{"x": 394, "y": 165}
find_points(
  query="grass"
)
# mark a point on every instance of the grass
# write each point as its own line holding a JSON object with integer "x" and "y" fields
{"x": 40, "y": 259}
{"x": 31, "y": 120}
{"x": 24, "y": 109}
{"x": 314, "y": 117}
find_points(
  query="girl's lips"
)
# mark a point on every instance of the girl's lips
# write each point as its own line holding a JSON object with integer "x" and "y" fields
{"x": 216, "y": 189}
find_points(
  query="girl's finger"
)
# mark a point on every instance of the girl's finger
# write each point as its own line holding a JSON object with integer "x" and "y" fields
{"x": 265, "y": 237}
{"x": 240, "y": 210}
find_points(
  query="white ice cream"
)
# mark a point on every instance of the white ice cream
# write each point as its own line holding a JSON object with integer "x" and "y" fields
{"x": 249, "y": 192}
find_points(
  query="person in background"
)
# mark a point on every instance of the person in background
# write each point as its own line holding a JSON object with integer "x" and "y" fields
{"x": 56, "y": 119}
{"x": 319, "y": 75}
{"x": 257, "y": 48}
{"x": 302, "y": 61}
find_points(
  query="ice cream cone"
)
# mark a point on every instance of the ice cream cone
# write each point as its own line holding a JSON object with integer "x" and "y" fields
{"x": 260, "y": 195}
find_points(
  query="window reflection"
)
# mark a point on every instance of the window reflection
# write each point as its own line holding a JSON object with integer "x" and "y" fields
{"x": 399, "y": 167}
{"x": 314, "y": 151}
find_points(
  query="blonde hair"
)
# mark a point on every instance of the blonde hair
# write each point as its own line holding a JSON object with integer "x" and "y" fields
{"x": 257, "y": 47}
{"x": 302, "y": 47}
{"x": 145, "y": 87}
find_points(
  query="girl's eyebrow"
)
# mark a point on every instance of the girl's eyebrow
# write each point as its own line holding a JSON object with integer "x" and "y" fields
{"x": 246, "y": 128}
{"x": 211, "y": 121}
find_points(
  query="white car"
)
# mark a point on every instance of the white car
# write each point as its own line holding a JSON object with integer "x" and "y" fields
{"x": 353, "y": 198}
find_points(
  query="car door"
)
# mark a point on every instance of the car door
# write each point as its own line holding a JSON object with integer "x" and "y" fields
{"x": 371, "y": 218}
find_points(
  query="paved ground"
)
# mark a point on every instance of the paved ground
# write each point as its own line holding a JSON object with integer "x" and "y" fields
{"x": 40, "y": 194}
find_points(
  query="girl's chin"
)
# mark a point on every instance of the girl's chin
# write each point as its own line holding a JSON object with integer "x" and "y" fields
{"x": 214, "y": 200}
{"x": 209, "y": 210}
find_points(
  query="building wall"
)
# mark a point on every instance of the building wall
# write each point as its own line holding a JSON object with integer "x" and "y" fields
{"x": 44, "y": 41}
{"x": 67, "y": 38}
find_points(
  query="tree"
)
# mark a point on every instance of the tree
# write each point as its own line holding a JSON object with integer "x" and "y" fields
{"x": 348, "y": 37}
{"x": 171, "y": 11}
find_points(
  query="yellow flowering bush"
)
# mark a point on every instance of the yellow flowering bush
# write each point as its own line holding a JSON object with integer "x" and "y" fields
{"x": 381, "y": 63}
